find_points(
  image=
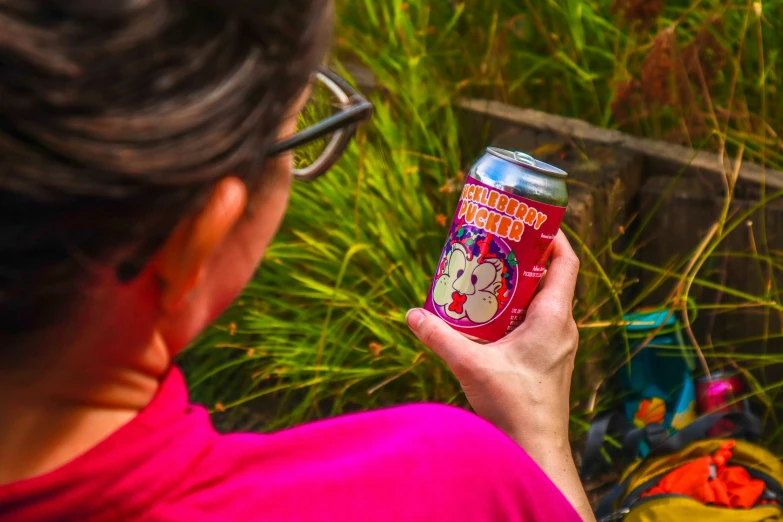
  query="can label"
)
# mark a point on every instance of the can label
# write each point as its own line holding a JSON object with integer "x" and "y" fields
{"x": 493, "y": 261}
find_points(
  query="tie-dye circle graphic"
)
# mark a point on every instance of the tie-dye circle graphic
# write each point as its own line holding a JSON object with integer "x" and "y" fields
{"x": 476, "y": 277}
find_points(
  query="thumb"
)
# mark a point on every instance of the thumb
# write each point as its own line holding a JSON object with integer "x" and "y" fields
{"x": 448, "y": 344}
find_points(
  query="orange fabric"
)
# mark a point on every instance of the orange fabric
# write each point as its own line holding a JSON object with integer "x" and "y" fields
{"x": 730, "y": 486}
{"x": 651, "y": 411}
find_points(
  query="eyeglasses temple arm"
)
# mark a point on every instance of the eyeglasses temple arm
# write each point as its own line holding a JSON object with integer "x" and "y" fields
{"x": 361, "y": 111}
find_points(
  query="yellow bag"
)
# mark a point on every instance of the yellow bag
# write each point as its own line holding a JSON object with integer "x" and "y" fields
{"x": 625, "y": 502}
{"x": 684, "y": 508}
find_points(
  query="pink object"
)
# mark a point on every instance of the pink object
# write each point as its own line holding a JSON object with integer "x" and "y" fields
{"x": 412, "y": 463}
{"x": 719, "y": 394}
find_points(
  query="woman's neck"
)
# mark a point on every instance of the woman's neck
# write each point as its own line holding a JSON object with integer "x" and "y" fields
{"x": 52, "y": 413}
{"x": 39, "y": 440}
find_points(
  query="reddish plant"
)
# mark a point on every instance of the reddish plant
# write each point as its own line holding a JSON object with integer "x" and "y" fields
{"x": 705, "y": 55}
{"x": 641, "y": 13}
{"x": 627, "y": 100}
{"x": 659, "y": 68}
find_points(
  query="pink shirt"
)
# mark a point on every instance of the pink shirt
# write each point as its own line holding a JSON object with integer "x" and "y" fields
{"x": 414, "y": 463}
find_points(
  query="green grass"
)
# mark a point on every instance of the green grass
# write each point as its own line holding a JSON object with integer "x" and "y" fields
{"x": 321, "y": 329}
{"x": 357, "y": 250}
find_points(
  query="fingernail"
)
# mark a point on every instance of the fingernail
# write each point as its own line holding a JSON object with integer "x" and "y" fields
{"x": 414, "y": 317}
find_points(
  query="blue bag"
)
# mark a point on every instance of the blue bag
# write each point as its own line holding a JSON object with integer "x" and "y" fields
{"x": 658, "y": 382}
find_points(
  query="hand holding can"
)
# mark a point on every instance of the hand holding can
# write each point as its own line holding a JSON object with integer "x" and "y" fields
{"x": 506, "y": 225}
{"x": 522, "y": 382}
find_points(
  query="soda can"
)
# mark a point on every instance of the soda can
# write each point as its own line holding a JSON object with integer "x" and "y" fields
{"x": 508, "y": 214}
{"x": 719, "y": 393}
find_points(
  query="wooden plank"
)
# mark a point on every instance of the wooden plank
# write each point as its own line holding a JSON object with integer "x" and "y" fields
{"x": 653, "y": 149}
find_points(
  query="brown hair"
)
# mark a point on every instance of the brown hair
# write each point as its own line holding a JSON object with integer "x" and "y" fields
{"x": 116, "y": 119}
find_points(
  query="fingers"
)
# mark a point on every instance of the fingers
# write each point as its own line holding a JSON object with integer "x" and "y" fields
{"x": 540, "y": 283}
{"x": 455, "y": 350}
{"x": 551, "y": 307}
{"x": 560, "y": 282}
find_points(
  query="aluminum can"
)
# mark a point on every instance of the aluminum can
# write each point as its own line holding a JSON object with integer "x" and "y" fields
{"x": 720, "y": 394}
{"x": 509, "y": 212}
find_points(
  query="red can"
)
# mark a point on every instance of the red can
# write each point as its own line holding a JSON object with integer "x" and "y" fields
{"x": 498, "y": 244}
{"x": 720, "y": 393}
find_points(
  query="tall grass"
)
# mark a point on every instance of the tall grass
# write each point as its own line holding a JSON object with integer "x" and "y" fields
{"x": 321, "y": 329}
{"x": 678, "y": 69}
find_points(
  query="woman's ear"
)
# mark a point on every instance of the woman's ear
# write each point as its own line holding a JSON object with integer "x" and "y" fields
{"x": 180, "y": 264}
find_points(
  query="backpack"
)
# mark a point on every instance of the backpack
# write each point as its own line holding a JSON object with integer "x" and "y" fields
{"x": 657, "y": 383}
{"x": 632, "y": 501}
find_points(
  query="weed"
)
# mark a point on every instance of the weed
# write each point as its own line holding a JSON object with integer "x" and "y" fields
{"x": 321, "y": 328}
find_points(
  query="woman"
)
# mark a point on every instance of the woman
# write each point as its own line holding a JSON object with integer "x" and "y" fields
{"x": 144, "y": 168}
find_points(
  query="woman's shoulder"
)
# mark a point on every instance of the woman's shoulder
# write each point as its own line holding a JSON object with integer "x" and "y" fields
{"x": 424, "y": 420}
{"x": 423, "y": 431}
{"x": 413, "y": 462}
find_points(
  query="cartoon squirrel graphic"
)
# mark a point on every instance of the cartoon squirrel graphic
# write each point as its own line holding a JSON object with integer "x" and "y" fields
{"x": 470, "y": 286}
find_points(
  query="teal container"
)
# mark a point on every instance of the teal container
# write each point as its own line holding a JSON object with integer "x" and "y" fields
{"x": 658, "y": 382}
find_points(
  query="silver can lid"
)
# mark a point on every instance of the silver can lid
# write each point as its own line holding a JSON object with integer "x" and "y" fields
{"x": 527, "y": 161}
{"x": 716, "y": 376}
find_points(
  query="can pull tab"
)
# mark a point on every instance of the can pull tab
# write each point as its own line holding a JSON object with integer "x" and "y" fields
{"x": 524, "y": 158}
